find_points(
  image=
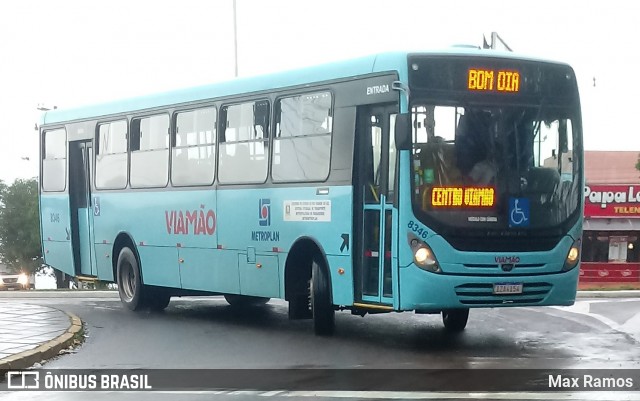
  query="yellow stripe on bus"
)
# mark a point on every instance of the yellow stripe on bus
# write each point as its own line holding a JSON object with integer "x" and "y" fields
{"x": 373, "y": 306}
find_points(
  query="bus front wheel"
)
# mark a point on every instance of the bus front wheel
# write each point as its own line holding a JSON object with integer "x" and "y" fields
{"x": 455, "y": 319}
{"x": 129, "y": 280}
{"x": 321, "y": 306}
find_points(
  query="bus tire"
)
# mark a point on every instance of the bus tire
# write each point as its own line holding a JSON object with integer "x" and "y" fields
{"x": 455, "y": 320}
{"x": 321, "y": 306}
{"x": 299, "y": 307}
{"x": 129, "y": 280}
{"x": 157, "y": 298}
{"x": 245, "y": 300}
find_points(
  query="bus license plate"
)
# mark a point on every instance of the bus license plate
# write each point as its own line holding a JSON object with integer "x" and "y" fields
{"x": 507, "y": 288}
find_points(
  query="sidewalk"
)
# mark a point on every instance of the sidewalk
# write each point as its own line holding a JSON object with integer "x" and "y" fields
{"x": 58, "y": 294}
{"x": 30, "y": 333}
{"x": 609, "y": 294}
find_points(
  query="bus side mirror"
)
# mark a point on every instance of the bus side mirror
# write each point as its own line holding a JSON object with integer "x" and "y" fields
{"x": 562, "y": 132}
{"x": 403, "y": 131}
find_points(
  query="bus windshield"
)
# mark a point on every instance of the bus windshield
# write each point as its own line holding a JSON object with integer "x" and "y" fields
{"x": 495, "y": 165}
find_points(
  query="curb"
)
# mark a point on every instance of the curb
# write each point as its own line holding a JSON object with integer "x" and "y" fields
{"x": 46, "y": 350}
{"x": 609, "y": 294}
{"x": 59, "y": 294}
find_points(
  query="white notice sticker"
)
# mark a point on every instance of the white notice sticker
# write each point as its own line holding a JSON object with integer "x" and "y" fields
{"x": 307, "y": 210}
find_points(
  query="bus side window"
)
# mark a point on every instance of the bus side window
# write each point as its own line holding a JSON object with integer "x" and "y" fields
{"x": 243, "y": 143}
{"x": 111, "y": 155}
{"x": 193, "y": 147}
{"x": 302, "y": 141}
{"x": 54, "y": 160}
{"x": 149, "y": 151}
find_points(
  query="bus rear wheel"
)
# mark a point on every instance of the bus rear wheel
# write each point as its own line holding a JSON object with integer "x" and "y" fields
{"x": 157, "y": 299}
{"x": 129, "y": 280}
{"x": 321, "y": 306}
{"x": 455, "y": 320}
{"x": 245, "y": 300}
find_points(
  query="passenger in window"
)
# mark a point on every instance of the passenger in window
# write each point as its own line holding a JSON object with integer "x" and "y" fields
{"x": 474, "y": 147}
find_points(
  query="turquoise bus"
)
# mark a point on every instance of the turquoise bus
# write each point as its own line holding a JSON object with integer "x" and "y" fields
{"x": 433, "y": 182}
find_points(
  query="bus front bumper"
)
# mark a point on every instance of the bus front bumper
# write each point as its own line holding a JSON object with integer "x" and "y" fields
{"x": 425, "y": 291}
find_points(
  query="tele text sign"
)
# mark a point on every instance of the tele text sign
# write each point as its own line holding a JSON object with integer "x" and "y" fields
{"x": 612, "y": 200}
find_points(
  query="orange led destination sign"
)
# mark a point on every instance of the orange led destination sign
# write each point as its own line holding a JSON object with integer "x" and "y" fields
{"x": 462, "y": 197}
{"x": 493, "y": 80}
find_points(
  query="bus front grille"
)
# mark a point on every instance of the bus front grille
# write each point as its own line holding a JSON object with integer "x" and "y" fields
{"x": 497, "y": 266}
{"x": 481, "y": 294}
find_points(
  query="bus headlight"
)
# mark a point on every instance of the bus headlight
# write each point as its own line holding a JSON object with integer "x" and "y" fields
{"x": 425, "y": 259}
{"x": 573, "y": 256}
{"x": 23, "y": 279}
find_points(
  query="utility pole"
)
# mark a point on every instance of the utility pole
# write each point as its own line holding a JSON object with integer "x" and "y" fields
{"x": 42, "y": 107}
{"x": 235, "y": 38}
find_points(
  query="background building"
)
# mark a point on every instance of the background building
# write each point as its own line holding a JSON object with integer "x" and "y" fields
{"x": 610, "y": 244}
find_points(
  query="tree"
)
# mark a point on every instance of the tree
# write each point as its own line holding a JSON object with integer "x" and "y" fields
{"x": 20, "y": 225}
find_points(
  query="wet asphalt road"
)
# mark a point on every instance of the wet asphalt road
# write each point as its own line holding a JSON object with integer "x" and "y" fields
{"x": 208, "y": 333}
{"x": 203, "y": 333}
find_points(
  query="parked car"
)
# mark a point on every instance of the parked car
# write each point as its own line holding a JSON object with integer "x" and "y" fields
{"x": 15, "y": 280}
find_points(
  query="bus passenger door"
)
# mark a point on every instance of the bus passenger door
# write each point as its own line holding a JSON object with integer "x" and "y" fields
{"x": 80, "y": 169}
{"x": 374, "y": 210}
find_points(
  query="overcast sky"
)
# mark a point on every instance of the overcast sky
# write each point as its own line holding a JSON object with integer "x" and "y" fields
{"x": 71, "y": 53}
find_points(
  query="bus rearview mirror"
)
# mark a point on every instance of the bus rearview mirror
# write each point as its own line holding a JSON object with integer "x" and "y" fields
{"x": 564, "y": 141}
{"x": 403, "y": 131}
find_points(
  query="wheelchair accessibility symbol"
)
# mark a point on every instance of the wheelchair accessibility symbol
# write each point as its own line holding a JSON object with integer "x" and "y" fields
{"x": 518, "y": 212}
{"x": 96, "y": 206}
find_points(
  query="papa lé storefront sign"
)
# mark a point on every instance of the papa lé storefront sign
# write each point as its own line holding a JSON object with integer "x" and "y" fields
{"x": 612, "y": 201}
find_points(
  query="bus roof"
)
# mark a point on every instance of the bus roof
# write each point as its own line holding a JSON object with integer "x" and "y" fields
{"x": 389, "y": 61}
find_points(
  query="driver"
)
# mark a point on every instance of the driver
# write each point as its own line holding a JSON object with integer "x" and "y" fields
{"x": 474, "y": 147}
